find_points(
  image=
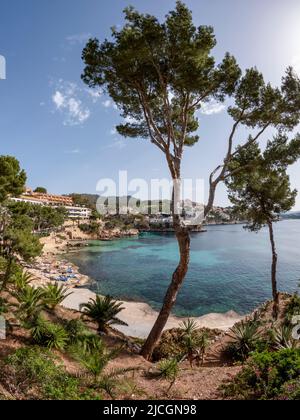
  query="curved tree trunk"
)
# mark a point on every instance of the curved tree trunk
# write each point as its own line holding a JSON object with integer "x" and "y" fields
{"x": 274, "y": 272}
{"x": 183, "y": 239}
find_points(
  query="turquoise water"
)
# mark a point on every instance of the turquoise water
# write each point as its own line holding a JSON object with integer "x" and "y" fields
{"x": 229, "y": 269}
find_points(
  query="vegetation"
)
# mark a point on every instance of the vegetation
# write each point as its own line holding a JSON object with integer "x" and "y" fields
{"x": 189, "y": 342}
{"x": 267, "y": 376}
{"x": 244, "y": 340}
{"x": 104, "y": 311}
{"x": 37, "y": 374}
{"x": 41, "y": 190}
{"x": 259, "y": 187}
{"x": 159, "y": 74}
{"x": 54, "y": 295}
{"x": 30, "y": 303}
{"x": 48, "y": 334}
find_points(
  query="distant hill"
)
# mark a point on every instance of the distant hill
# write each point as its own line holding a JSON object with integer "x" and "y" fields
{"x": 291, "y": 215}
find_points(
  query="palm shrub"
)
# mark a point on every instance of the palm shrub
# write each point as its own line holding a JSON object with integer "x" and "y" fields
{"x": 79, "y": 335}
{"x": 189, "y": 326}
{"x": 168, "y": 369}
{"x": 93, "y": 355}
{"x": 21, "y": 279}
{"x": 194, "y": 342}
{"x": 281, "y": 338}
{"x": 48, "y": 334}
{"x": 104, "y": 311}
{"x": 54, "y": 295}
{"x": 30, "y": 302}
{"x": 244, "y": 339}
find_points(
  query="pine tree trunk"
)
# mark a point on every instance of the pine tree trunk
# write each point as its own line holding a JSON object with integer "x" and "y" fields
{"x": 274, "y": 272}
{"x": 183, "y": 239}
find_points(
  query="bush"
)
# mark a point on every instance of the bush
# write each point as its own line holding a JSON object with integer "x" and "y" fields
{"x": 245, "y": 339}
{"x": 293, "y": 307}
{"x": 168, "y": 369}
{"x": 35, "y": 373}
{"x": 174, "y": 343}
{"x": 54, "y": 295}
{"x": 104, "y": 311}
{"x": 265, "y": 375}
{"x": 290, "y": 391}
{"x": 49, "y": 335}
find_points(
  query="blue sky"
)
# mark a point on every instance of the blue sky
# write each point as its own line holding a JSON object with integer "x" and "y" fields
{"x": 64, "y": 136}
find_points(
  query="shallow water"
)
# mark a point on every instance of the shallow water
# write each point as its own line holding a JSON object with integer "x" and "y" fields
{"x": 229, "y": 269}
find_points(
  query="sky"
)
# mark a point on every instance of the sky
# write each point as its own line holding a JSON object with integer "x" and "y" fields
{"x": 64, "y": 134}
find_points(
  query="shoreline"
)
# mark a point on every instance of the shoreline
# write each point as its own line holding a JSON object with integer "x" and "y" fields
{"x": 139, "y": 316}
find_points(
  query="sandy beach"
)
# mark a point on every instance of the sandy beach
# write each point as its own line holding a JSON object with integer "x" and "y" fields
{"x": 140, "y": 317}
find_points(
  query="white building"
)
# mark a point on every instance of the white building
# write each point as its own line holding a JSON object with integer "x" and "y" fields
{"x": 74, "y": 212}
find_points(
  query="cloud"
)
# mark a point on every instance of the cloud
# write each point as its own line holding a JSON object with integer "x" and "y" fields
{"x": 113, "y": 132}
{"x": 212, "y": 107}
{"x": 118, "y": 144}
{"x": 95, "y": 94}
{"x": 78, "y": 39}
{"x": 296, "y": 63}
{"x": 66, "y": 100}
{"x": 72, "y": 152}
{"x": 109, "y": 104}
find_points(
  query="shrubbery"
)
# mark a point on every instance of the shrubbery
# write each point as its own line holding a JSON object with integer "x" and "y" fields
{"x": 35, "y": 373}
{"x": 267, "y": 375}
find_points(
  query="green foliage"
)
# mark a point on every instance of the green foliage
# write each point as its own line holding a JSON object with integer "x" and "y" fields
{"x": 194, "y": 341}
{"x": 55, "y": 294}
{"x": 41, "y": 190}
{"x": 36, "y": 374}
{"x": 90, "y": 228}
{"x": 293, "y": 307}
{"x": 290, "y": 391}
{"x": 104, "y": 311}
{"x": 281, "y": 338}
{"x": 244, "y": 340}
{"x": 3, "y": 306}
{"x": 21, "y": 279}
{"x": 94, "y": 357}
{"x": 48, "y": 334}
{"x": 265, "y": 375}
{"x": 259, "y": 186}
{"x": 189, "y": 327}
{"x": 168, "y": 369}
{"x": 43, "y": 218}
{"x": 30, "y": 302}
{"x": 176, "y": 343}
{"x": 12, "y": 178}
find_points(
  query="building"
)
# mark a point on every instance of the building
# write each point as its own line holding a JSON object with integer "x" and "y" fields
{"x": 56, "y": 201}
{"x": 50, "y": 199}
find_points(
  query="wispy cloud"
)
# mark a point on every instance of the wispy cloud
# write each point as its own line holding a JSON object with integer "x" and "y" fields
{"x": 118, "y": 144}
{"x": 78, "y": 39}
{"x": 66, "y": 100}
{"x": 108, "y": 103}
{"x": 72, "y": 152}
{"x": 212, "y": 107}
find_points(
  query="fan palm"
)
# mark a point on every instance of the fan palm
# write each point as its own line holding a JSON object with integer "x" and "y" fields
{"x": 104, "y": 311}
{"x": 54, "y": 295}
{"x": 30, "y": 302}
{"x": 22, "y": 279}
